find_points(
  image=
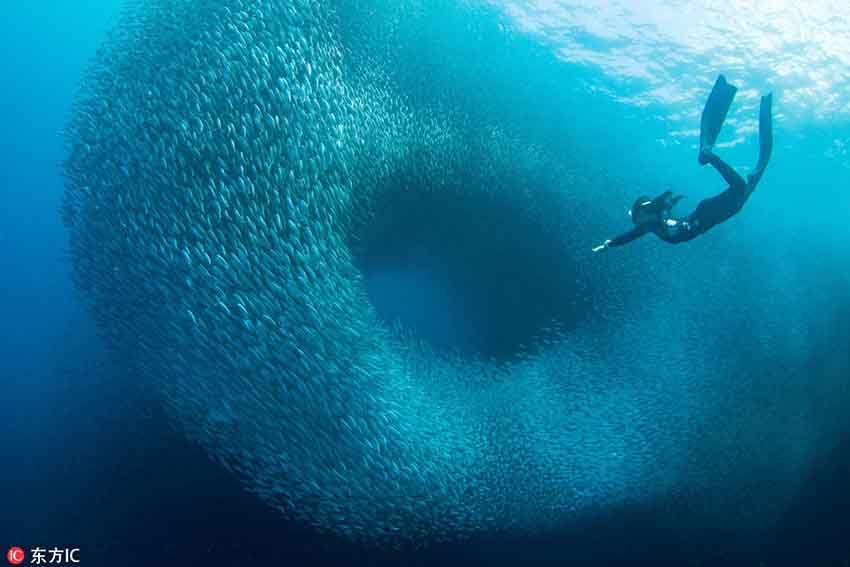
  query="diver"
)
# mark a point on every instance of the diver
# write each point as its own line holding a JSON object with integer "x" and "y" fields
{"x": 655, "y": 215}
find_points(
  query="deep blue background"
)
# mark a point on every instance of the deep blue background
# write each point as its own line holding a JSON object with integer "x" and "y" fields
{"x": 87, "y": 460}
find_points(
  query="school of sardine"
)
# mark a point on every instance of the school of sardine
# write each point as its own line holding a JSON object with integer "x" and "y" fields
{"x": 222, "y": 158}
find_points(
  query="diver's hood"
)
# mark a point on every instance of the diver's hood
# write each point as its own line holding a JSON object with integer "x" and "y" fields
{"x": 653, "y": 208}
{"x": 643, "y": 205}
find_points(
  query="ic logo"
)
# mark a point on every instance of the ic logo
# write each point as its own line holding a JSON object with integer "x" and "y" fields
{"x": 16, "y": 555}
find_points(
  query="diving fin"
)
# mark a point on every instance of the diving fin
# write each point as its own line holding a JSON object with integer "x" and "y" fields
{"x": 714, "y": 114}
{"x": 765, "y": 138}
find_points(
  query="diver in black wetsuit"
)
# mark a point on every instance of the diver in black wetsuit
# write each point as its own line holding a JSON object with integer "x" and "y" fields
{"x": 655, "y": 215}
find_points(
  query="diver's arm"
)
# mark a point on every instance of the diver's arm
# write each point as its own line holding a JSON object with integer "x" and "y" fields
{"x": 625, "y": 238}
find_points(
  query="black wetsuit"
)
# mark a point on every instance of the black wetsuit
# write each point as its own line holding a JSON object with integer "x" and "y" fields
{"x": 708, "y": 213}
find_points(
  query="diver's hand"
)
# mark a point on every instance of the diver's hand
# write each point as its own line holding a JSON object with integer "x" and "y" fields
{"x": 602, "y": 247}
{"x": 670, "y": 199}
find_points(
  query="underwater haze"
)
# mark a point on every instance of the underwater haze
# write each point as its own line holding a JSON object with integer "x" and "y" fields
{"x": 313, "y": 283}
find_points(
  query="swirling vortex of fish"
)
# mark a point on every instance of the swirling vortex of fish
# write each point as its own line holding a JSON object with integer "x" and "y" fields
{"x": 222, "y": 159}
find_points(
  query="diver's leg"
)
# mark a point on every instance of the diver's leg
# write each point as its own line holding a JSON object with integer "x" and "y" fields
{"x": 715, "y": 210}
{"x": 720, "y": 208}
{"x": 732, "y": 177}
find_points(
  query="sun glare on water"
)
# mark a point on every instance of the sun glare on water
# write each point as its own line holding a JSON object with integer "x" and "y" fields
{"x": 673, "y": 49}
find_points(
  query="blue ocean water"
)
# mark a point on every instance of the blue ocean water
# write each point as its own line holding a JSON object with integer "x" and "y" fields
{"x": 743, "y": 332}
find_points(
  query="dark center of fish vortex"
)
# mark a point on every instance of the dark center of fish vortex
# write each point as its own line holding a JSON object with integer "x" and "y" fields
{"x": 469, "y": 273}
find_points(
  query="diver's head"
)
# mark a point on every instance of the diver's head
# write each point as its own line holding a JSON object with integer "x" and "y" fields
{"x": 643, "y": 211}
